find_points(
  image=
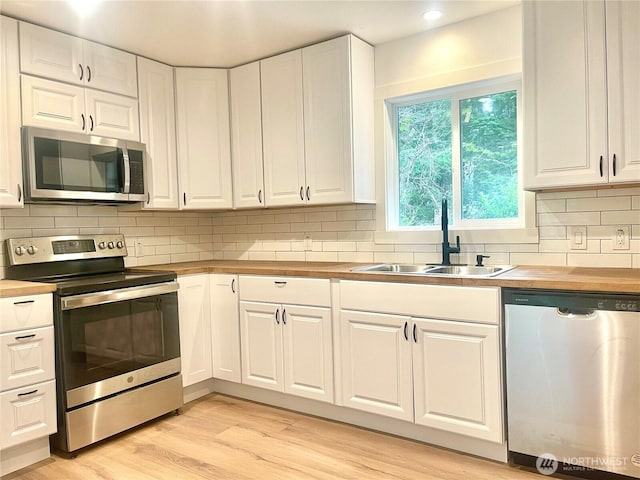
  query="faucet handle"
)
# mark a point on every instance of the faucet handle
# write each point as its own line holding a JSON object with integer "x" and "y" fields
{"x": 479, "y": 259}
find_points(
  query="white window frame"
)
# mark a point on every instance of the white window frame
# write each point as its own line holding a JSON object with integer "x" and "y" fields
{"x": 521, "y": 230}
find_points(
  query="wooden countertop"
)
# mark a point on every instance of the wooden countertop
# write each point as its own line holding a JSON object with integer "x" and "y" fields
{"x": 16, "y": 288}
{"x": 614, "y": 280}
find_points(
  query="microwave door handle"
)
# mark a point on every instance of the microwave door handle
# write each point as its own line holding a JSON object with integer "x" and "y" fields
{"x": 127, "y": 170}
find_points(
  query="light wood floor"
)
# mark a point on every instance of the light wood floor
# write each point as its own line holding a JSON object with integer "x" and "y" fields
{"x": 219, "y": 437}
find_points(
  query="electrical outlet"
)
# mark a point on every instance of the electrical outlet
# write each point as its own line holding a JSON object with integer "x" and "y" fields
{"x": 621, "y": 237}
{"x": 308, "y": 244}
{"x": 139, "y": 249}
{"x": 578, "y": 237}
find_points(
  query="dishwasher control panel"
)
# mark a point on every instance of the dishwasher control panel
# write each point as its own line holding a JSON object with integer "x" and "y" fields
{"x": 580, "y": 300}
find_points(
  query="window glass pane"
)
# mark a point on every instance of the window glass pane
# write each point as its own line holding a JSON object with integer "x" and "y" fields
{"x": 424, "y": 161}
{"x": 489, "y": 159}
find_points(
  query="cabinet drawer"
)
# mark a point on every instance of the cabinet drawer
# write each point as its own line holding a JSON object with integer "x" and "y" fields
{"x": 26, "y": 357}
{"x": 292, "y": 290}
{"x": 472, "y": 304}
{"x": 29, "y": 311}
{"x": 27, "y": 413}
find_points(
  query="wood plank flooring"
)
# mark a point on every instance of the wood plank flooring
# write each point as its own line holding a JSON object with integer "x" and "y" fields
{"x": 220, "y": 437}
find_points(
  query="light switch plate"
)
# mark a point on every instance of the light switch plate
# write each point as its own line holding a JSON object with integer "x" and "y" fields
{"x": 578, "y": 237}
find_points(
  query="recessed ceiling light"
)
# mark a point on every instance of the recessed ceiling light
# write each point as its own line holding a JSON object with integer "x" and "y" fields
{"x": 84, "y": 7}
{"x": 432, "y": 15}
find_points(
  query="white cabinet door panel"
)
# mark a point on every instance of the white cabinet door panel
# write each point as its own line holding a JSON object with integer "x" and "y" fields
{"x": 246, "y": 136}
{"x": 225, "y": 327}
{"x": 623, "y": 81}
{"x": 112, "y": 115}
{"x": 456, "y": 370}
{"x": 110, "y": 69}
{"x": 10, "y": 121}
{"x": 261, "y": 338}
{"x": 51, "y": 54}
{"x": 283, "y": 129}
{"x": 53, "y": 105}
{"x": 376, "y": 363}
{"x": 26, "y": 357}
{"x": 308, "y": 352}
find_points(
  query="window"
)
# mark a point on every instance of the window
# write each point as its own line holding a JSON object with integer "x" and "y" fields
{"x": 461, "y": 144}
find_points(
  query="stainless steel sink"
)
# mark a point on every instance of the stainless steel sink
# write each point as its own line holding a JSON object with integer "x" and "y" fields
{"x": 392, "y": 268}
{"x": 436, "y": 270}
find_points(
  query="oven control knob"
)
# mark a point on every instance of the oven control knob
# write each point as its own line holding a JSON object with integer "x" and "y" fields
{"x": 102, "y": 245}
{"x": 111, "y": 245}
{"x": 31, "y": 249}
{"x": 20, "y": 250}
{"x": 120, "y": 244}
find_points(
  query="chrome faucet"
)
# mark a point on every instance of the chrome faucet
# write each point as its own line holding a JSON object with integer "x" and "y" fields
{"x": 447, "y": 249}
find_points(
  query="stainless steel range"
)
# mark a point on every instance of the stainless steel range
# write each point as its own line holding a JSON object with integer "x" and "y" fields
{"x": 116, "y": 330}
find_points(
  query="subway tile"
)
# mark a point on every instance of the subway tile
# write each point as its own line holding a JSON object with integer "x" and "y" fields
{"x": 276, "y": 227}
{"x": 262, "y": 256}
{"x": 276, "y": 246}
{"x": 137, "y": 231}
{"x": 425, "y": 247}
{"x": 16, "y": 212}
{"x": 290, "y": 236}
{"x": 393, "y": 257}
{"x": 28, "y": 222}
{"x": 373, "y": 247}
{"x": 625, "y": 217}
{"x": 54, "y": 211}
{"x": 616, "y": 192}
{"x": 322, "y": 236}
{"x": 169, "y": 231}
{"x": 511, "y": 247}
{"x": 257, "y": 228}
{"x": 554, "y": 259}
{"x": 291, "y": 256}
{"x": 297, "y": 246}
{"x": 205, "y": 221}
{"x": 55, "y": 232}
{"x": 338, "y": 246}
{"x": 199, "y": 247}
{"x": 321, "y": 256}
{"x": 366, "y": 225}
{"x": 320, "y": 217}
{"x": 553, "y": 232}
{"x": 235, "y": 220}
{"x": 185, "y": 239}
{"x": 98, "y": 230}
{"x": 235, "y": 255}
{"x": 184, "y": 257}
{"x": 183, "y": 221}
{"x": 572, "y": 194}
{"x": 339, "y": 208}
{"x": 346, "y": 226}
{"x": 226, "y": 247}
{"x": 622, "y": 260}
{"x": 555, "y": 205}
{"x": 581, "y": 218}
{"x": 155, "y": 240}
{"x": 260, "y": 219}
{"x": 635, "y": 202}
{"x": 235, "y": 237}
{"x": 599, "y": 204}
{"x": 144, "y": 221}
{"x": 600, "y": 232}
{"x": 169, "y": 249}
{"x": 98, "y": 211}
{"x": 218, "y": 255}
{"x": 306, "y": 227}
{"x": 356, "y": 257}
{"x": 205, "y": 256}
{"x": 154, "y": 260}
{"x": 593, "y": 246}
{"x": 427, "y": 258}
{"x": 289, "y": 218}
{"x": 355, "y": 215}
{"x": 113, "y": 221}
{"x": 636, "y": 260}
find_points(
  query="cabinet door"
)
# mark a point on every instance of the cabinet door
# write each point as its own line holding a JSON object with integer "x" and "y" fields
{"x": 283, "y": 129}
{"x": 27, "y": 413}
{"x": 195, "y": 328}
{"x": 225, "y": 327}
{"x": 110, "y": 69}
{"x": 564, "y": 94}
{"x": 10, "y": 152}
{"x": 261, "y": 338}
{"x": 308, "y": 352}
{"x": 376, "y": 363}
{"x": 26, "y": 357}
{"x": 456, "y": 375}
{"x": 246, "y": 136}
{"x": 204, "y": 152}
{"x": 327, "y": 121}
{"x": 111, "y": 115}
{"x": 51, "y": 54}
{"x": 158, "y": 133}
{"x": 623, "y": 80}
{"x": 53, "y": 105}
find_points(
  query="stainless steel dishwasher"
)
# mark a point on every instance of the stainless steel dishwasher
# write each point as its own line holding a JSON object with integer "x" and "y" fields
{"x": 573, "y": 381}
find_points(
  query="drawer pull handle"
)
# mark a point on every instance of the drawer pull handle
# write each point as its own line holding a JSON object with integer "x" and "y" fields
{"x": 25, "y": 337}
{"x": 24, "y": 302}
{"x": 280, "y": 283}
{"x": 26, "y": 394}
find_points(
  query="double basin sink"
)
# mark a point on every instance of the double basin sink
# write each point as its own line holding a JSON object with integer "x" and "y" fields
{"x": 435, "y": 270}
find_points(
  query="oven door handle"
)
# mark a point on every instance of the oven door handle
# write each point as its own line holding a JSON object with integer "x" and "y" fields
{"x": 118, "y": 295}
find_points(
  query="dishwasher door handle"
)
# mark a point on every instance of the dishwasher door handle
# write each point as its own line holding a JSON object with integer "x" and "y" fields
{"x": 577, "y": 313}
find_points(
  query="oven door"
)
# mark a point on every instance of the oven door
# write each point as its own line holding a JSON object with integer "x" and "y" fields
{"x": 115, "y": 340}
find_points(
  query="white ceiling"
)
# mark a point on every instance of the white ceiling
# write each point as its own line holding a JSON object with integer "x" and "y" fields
{"x": 220, "y": 33}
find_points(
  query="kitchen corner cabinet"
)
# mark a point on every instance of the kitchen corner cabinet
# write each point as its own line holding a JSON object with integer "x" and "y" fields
{"x": 62, "y": 57}
{"x": 225, "y": 327}
{"x": 317, "y": 110}
{"x": 61, "y": 106}
{"x": 286, "y": 335}
{"x": 246, "y": 136}
{"x": 419, "y": 353}
{"x": 204, "y": 151}
{"x": 10, "y": 145}
{"x": 158, "y": 133}
{"x": 581, "y": 96}
{"x": 195, "y": 328}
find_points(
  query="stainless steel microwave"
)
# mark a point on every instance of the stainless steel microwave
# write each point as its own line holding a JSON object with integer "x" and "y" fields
{"x": 64, "y": 166}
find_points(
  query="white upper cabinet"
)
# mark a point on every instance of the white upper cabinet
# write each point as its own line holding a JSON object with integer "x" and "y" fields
{"x": 158, "y": 133}
{"x": 317, "y": 121}
{"x": 10, "y": 153}
{"x": 574, "y": 125}
{"x": 283, "y": 129}
{"x": 204, "y": 151}
{"x": 338, "y": 121}
{"x": 246, "y": 136}
{"x": 62, "y": 57}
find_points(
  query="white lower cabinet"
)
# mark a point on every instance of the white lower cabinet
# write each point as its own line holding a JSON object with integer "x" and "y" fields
{"x": 439, "y": 372}
{"x": 225, "y": 327}
{"x": 195, "y": 328}
{"x": 287, "y": 347}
